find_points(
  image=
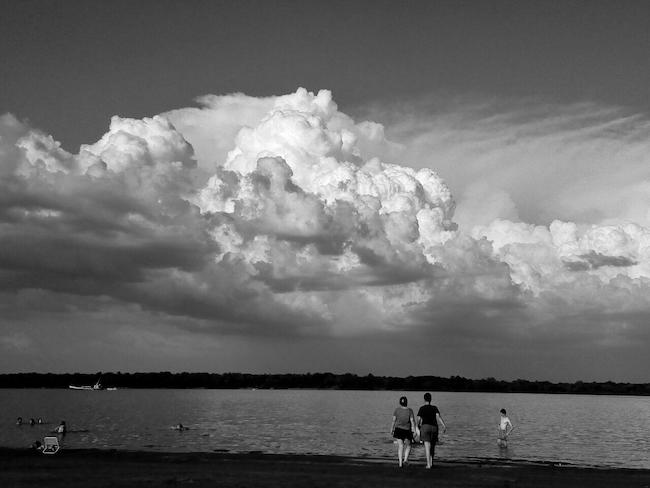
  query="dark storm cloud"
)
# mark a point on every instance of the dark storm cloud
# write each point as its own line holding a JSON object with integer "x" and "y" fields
{"x": 72, "y": 232}
{"x": 594, "y": 260}
{"x": 115, "y": 221}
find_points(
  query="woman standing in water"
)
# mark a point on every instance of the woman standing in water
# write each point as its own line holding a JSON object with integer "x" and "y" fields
{"x": 428, "y": 418}
{"x": 402, "y": 430}
{"x": 505, "y": 428}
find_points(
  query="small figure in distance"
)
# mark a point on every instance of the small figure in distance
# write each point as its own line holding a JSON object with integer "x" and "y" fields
{"x": 402, "y": 429}
{"x": 61, "y": 428}
{"x": 19, "y": 421}
{"x": 40, "y": 421}
{"x": 180, "y": 427}
{"x": 505, "y": 429}
{"x": 32, "y": 422}
{"x": 428, "y": 419}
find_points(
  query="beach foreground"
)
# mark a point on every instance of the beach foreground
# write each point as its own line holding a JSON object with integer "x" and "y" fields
{"x": 98, "y": 468}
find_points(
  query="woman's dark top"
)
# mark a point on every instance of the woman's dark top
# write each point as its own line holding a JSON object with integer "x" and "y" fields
{"x": 428, "y": 414}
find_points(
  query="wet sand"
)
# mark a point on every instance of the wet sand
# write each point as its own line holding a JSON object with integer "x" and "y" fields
{"x": 98, "y": 468}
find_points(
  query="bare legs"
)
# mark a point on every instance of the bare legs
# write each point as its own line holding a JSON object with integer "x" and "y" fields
{"x": 427, "y": 451}
{"x": 430, "y": 451}
{"x": 400, "y": 451}
{"x": 403, "y": 451}
{"x": 407, "y": 450}
{"x": 502, "y": 439}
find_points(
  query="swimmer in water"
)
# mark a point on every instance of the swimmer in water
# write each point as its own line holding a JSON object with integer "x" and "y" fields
{"x": 505, "y": 429}
{"x": 180, "y": 427}
{"x": 19, "y": 421}
{"x": 32, "y": 422}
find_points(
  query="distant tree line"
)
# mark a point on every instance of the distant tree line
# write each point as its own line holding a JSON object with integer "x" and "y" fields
{"x": 325, "y": 381}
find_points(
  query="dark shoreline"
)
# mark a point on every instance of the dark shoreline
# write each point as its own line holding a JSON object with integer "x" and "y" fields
{"x": 97, "y": 468}
{"x": 317, "y": 381}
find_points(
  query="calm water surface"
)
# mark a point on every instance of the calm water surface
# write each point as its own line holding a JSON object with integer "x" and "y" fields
{"x": 585, "y": 430}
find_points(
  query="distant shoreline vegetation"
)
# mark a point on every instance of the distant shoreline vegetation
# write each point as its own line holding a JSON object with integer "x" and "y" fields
{"x": 322, "y": 381}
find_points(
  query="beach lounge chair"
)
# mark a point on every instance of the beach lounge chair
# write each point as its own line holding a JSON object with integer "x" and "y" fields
{"x": 50, "y": 445}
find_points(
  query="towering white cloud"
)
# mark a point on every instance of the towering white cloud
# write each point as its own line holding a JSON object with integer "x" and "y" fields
{"x": 284, "y": 215}
{"x": 299, "y": 180}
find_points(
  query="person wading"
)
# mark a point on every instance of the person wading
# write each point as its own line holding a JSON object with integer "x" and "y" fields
{"x": 402, "y": 429}
{"x": 428, "y": 419}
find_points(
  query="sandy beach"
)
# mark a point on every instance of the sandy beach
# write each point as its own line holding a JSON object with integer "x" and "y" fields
{"x": 98, "y": 468}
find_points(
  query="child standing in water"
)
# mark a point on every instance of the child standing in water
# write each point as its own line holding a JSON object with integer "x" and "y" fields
{"x": 62, "y": 428}
{"x": 505, "y": 428}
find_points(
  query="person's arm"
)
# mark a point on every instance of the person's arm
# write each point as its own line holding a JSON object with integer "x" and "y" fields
{"x": 414, "y": 425}
{"x": 512, "y": 427}
{"x": 392, "y": 427}
{"x": 439, "y": 419}
{"x": 419, "y": 422}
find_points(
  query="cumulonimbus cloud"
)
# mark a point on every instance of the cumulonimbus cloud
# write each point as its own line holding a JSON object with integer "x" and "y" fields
{"x": 285, "y": 215}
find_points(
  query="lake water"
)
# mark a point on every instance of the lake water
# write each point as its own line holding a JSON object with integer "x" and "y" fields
{"x": 584, "y": 430}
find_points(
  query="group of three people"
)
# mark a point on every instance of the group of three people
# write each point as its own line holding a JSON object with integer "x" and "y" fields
{"x": 32, "y": 422}
{"x": 406, "y": 428}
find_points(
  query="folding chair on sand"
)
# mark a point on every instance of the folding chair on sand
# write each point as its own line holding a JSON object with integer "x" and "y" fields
{"x": 50, "y": 445}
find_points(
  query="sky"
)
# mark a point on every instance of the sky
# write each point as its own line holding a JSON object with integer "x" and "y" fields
{"x": 387, "y": 187}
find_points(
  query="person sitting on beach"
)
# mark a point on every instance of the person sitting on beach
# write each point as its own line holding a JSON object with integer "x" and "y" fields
{"x": 428, "y": 418}
{"x": 38, "y": 446}
{"x": 505, "y": 428}
{"x": 19, "y": 421}
{"x": 61, "y": 428}
{"x": 402, "y": 429}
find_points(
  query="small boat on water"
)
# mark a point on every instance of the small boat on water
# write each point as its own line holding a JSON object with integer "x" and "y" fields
{"x": 85, "y": 387}
{"x": 95, "y": 387}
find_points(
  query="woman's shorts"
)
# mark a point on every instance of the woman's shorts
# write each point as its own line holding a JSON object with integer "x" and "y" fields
{"x": 402, "y": 434}
{"x": 429, "y": 433}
